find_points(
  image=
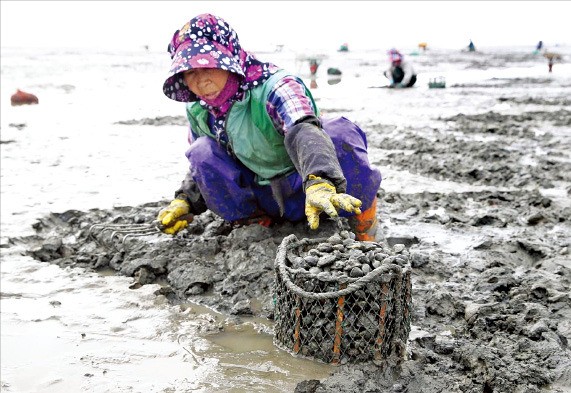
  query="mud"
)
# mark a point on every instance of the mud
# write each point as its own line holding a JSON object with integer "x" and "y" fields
{"x": 157, "y": 121}
{"x": 491, "y": 265}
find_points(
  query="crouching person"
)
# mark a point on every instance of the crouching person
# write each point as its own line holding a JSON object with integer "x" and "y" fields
{"x": 259, "y": 150}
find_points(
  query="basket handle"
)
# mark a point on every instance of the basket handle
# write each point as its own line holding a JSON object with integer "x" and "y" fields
{"x": 354, "y": 286}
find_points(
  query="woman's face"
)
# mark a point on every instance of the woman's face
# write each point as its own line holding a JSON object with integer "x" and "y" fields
{"x": 206, "y": 83}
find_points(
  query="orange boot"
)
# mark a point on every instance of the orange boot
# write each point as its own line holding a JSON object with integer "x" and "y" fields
{"x": 365, "y": 225}
{"x": 259, "y": 217}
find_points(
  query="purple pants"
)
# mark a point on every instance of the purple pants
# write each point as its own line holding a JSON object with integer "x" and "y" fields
{"x": 230, "y": 191}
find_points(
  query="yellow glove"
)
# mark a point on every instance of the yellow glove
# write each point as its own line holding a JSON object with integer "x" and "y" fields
{"x": 322, "y": 197}
{"x": 175, "y": 217}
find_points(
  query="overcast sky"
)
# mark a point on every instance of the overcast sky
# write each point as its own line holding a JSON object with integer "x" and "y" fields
{"x": 299, "y": 24}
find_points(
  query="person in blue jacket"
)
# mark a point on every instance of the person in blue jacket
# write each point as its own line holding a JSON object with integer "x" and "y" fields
{"x": 259, "y": 150}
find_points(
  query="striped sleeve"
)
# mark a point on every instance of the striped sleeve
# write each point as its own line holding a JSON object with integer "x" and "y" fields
{"x": 287, "y": 103}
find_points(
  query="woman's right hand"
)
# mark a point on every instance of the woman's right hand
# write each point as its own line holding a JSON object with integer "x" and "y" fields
{"x": 175, "y": 217}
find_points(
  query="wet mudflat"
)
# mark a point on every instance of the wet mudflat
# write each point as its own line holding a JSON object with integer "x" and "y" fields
{"x": 480, "y": 198}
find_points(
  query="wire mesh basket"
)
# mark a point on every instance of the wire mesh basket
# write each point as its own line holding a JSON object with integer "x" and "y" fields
{"x": 437, "y": 83}
{"x": 341, "y": 301}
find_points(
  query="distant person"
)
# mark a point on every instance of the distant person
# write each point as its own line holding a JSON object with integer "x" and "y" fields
{"x": 550, "y": 64}
{"x": 551, "y": 57}
{"x": 400, "y": 73}
{"x": 471, "y": 47}
{"x": 260, "y": 152}
{"x": 313, "y": 66}
{"x": 538, "y": 48}
{"x": 344, "y": 47}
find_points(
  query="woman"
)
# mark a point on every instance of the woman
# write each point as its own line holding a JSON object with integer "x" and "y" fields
{"x": 400, "y": 73}
{"x": 259, "y": 151}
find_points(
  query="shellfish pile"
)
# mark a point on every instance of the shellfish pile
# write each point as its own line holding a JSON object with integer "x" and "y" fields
{"x": 341, "y": 255}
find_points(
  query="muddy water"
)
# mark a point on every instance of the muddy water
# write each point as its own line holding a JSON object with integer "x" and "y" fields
{"x": 69, "y": 330}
